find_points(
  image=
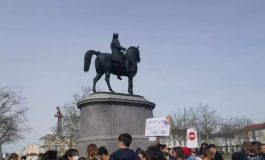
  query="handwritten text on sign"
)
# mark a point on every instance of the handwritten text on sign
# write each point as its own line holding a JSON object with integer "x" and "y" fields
{"x": 157, "y": 127}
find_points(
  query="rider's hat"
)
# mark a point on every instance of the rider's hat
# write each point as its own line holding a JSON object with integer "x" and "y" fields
{"x": 115, "y": 35}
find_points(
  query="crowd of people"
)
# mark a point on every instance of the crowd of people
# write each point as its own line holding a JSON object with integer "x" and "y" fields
{"x": 247, "y": 151}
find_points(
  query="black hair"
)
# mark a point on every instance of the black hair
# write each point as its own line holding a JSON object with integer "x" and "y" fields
{"x": 204, "y": 144}
{"x": 138, "y": 149}
{"x": 163, "y": 146}
{"x": 49, "y": 155}
{"x": 23, "y": 157}
{"x": 103, "y": 150}
{"x": 179, "y": 152}
{"x": 126, "y": 139}
{"x": 211, "y": 146}
{"x": 13, "y": 156}
{"x": 71, "y": 153}
{"x": 154, "y": 153}
{"x": 82, "y": 158}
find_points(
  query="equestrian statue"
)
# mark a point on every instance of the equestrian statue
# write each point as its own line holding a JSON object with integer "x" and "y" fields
{"x": 116, "y": 63}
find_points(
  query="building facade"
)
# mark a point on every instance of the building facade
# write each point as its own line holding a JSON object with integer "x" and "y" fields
{"x": 55, "y": 142}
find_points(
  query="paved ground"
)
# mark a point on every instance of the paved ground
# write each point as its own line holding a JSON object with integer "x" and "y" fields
{"x": 227, "y": 157}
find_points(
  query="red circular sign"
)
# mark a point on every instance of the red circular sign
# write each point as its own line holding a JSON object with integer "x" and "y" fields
{"x": 191, "y": 136}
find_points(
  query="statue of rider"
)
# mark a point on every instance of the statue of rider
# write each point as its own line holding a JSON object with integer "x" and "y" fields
{"x": 116, "y": 48}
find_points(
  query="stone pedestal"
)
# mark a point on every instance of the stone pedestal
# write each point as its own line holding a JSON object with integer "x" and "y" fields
{"x": 104, "y": 116}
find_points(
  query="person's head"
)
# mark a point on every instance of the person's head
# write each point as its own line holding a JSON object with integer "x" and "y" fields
{"x": 142, "y": 155}
{"x": 250, "y": 148}
{"x": 163, "y": 148}
{"x": 23, "y": 157}
{"x": 257, "y": 146}
{"x": 186, "y": 151}
{"x": 138, "y": 149}
{"x": 154, "y": 153}
{"x": 207, "y": 153}
{"x": 71, "y": 154}
{"x": 245, "y": 143}
{"x": 92, "y": 150}
{"x": 262, "y": 148}
{"x": 125, "y": 140}
{"x": 212, "y": 148}
{"x": 178, "y": 153}
{"x": 203, "y": 145}
{"x": 115, "y": 35}
{"x": 103, "y": 153}
{"x": 193, "y": 151}
{"x": 13, "y": 156}
{"x": 82, "y": 158}
{"x": 49, "y": 155}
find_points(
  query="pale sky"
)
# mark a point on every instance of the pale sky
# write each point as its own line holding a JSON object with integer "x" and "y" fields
{"x": 192, "y": 52}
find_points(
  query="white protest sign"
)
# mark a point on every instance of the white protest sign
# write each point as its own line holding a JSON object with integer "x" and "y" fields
{"x": 157, "y": 127}
{"x": 192, "y": 139}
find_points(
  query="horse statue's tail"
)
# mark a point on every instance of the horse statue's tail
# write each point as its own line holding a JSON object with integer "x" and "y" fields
{"x": 87, "y": 59}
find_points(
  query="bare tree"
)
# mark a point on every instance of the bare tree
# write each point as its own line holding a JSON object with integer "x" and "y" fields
{"x": 202, "y": 118}
{"x": 208, "y": 119}
{"x": 209, "y": 124}
{"x": 239, "y": 124}
{"x": 71, "y": 122}
{"x": 71, "y": 116}
{"x": 182, "y": 120}
{"x": 12, "y": 116}
{"x": 179, "y": 126}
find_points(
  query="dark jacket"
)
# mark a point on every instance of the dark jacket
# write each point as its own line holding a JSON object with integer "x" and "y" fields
{"x": 116, "y": 50}
{"x": 262, "y": 156}
{"x": 218, "y": 156}
{"x": 241, "y": 155}
{"x": 124, "y": 154}
{"x": 234, "y": 155}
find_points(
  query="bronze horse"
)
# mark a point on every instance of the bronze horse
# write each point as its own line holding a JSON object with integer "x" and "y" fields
{"x": 104, "y": 64}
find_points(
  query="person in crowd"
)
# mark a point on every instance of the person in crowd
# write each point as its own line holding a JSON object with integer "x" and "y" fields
{"x": 163, "y": 148}
{"x": 92, "y": 152}
{"x": 103, "y": 153}
{"x": 194, "y": 154}
{"x": 235, "y": 154}
{"x": 178, "y": 154}
{"x": 82, "y": 158}
{"x": 215, "y": 153}
{"x": 206, "y": 154}
{"x": 242, "y": 154}
{"x": 49, "y": 155}
{"x": 257, "y": 146}
{"x": 251, "y": 152}
{"x": 138, "y": 149}
{"x": 13, "y": 156}
{"x": 186, "y": 152}
{"x": 23, "y": 157}
{"x": 154, "y": 153}
{"x": 142, "y": 155}
{"x": 124, "y": 153}
{"x": 70, "y": 154}
{"x": 262, "y": 151}
{"x": 203, "y": 145}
